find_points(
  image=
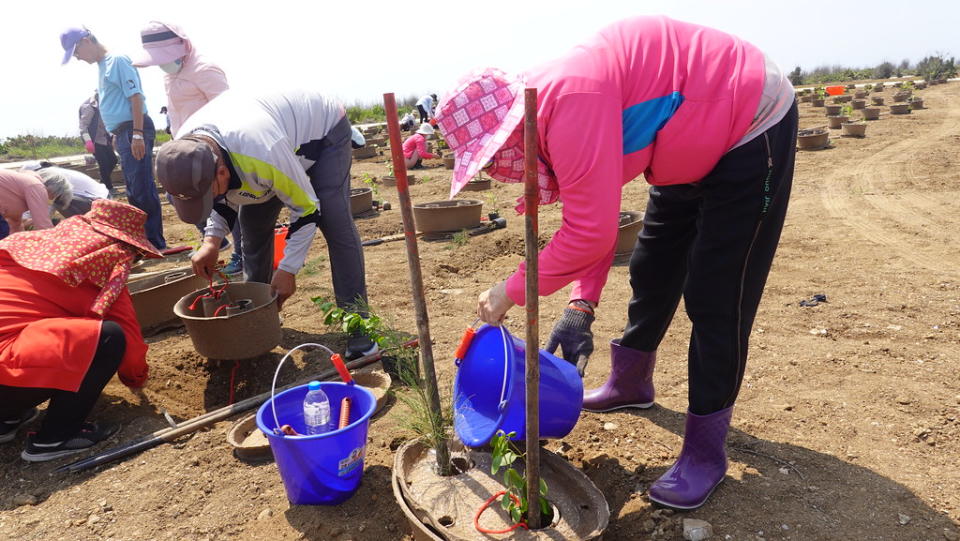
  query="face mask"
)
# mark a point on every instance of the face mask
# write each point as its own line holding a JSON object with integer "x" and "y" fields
{"x": 172, "y": 67}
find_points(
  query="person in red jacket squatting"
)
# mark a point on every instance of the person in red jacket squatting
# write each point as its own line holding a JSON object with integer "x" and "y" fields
{"x": 711, "y": 123}
{"x": 67, "y": 325}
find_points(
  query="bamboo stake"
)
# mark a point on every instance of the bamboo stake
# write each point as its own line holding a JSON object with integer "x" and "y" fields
{"x": 192, "y": 425}
{"x": 416, "y": 276}
{"x": 531, "y": 201}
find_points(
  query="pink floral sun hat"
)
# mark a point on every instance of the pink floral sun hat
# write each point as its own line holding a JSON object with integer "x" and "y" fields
{"x": 480, "y": 120}
{"x": 477, "y": 117}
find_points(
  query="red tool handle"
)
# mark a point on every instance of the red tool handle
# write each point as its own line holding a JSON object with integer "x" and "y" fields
{"x": 341, "y": 368}
{"x": 465, "y": 343}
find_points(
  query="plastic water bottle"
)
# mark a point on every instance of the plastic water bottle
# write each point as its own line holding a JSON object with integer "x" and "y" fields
{"x": 316, "y": 409}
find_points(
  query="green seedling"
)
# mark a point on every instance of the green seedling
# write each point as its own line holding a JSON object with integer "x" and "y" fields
{"x": 514, "y": 501}
{"x": 461, "y": 238}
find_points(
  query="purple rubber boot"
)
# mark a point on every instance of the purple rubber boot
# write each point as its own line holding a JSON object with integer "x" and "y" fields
{"x": 701, "y": 466}
{"x": 630, "y": 384}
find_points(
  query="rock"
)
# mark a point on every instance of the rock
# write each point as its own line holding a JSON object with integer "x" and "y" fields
{"x": 92, "y": 519}
{"x": 24, "y": 499}
{"x": 903, "y": 519}
{"x": 648, "y": 525}
{"x": 361, "y": 528}
{"x": 904, "y": 400}
{"x": 950, "y": 535}
{"x": 696, "y": 529}
{"x": 610, "y": 426}
{"x": 265, "y": 514}
{"x": 784, "y": 470}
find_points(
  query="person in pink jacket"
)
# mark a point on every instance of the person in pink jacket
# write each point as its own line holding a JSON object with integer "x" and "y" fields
{"x": 191, "y": 82}
{"x": 711, "y": 124}
{"x": 415, "y": 147}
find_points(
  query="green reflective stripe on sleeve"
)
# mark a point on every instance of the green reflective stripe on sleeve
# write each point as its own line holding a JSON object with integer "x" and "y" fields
{"x": 282, "y": 184}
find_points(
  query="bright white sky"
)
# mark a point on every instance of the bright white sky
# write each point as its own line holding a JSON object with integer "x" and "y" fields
{"x": 359, "y": 49}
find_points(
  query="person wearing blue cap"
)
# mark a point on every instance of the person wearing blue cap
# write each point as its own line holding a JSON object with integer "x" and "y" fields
{"x": 124, "y": 112}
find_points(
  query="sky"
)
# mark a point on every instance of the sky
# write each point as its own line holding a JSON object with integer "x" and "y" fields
{"x": 358, "y": 50}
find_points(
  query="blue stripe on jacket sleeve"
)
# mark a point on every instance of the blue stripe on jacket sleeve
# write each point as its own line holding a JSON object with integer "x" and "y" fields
{"x": 642, "y": 121}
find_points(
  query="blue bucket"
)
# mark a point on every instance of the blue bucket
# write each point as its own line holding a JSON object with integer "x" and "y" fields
{"x": 324, "y": 469}
{"x": 489, "y": 391}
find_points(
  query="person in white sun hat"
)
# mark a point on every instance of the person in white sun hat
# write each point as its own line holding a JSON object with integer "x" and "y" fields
{"x": 415, "y": 147}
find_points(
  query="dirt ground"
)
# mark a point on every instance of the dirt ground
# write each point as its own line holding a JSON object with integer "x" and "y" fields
{"x": 846, "y": 428}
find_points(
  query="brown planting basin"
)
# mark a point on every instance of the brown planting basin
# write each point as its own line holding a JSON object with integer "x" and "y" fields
{"x": 854, "y": 129}
{"x": 900, "y": 109}
{"x": 631, "y": 222}
{"x": 154, "y": 296}
{"x": 813, "y": 139}
{"x": 364, "y": 152}
{"x": 477, "y": 185}
{"x": 871, "y": 113}
{"x": 447, "y": 216}
{"x": 243, "y": 335}
{"x": 361, "y": 200}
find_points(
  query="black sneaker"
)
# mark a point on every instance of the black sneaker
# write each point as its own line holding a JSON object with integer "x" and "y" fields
{"x": 8, "y": 429}
{"x": 90, "y": 435}
{"x": 359, "y": 345}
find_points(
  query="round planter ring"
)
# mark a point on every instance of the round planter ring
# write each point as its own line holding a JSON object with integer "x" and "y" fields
{"x": 390, "y": 180}
{"x": 477, "y": 185}
{"x": 247, "y": 334}
{"x": 365, "y": 152}
{"x": 871, "y": 113}
{"x": 447, "y": 216}
{"x": 361, "y": 201}
{"x": 449, "y": 162}
{"x": 248, "y": 442}
{"x": 441, "y": 508}
{"x": 836, "y": 121}
{"x": 814, "y": 139}
{"x": 899, "y": 108}
{"x": 854, "y": 129}
{"x": 154, "y": 297}
{"x": 631, "y": 222}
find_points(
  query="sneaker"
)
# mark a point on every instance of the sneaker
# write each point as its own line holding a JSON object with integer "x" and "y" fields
{"x": 8, "y": 429}
{"x": 359, "y": 345}
{"x": 235, "y": 266}
{"x": 90, "y": 435}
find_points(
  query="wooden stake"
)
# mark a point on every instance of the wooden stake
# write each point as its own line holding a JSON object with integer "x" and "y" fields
{"x": 531, "y": 200}
{"x": 416, "y": 276}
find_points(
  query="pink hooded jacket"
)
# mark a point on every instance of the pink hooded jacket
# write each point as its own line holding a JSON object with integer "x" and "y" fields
{"x": 197, "y": 82}
{"x": 648, "y": 95}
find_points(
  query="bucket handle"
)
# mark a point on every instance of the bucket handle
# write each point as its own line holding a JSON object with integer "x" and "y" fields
{"x": 461, "y": 352}
{"x": 337, "y": 363}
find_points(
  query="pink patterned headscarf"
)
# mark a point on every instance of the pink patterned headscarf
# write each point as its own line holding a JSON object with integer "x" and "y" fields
{"x": 98, "y": 247}
{"x": 480, "y": 119}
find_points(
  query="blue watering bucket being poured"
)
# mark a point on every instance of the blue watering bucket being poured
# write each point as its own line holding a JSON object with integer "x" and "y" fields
{"x": 489, "y": 390}
{"x": 323, "y": 469}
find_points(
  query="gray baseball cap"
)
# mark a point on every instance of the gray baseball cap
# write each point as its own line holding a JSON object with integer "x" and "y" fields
{"x": 186, "y": 169}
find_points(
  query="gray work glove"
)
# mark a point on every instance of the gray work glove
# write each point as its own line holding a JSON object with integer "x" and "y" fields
{"x": 572, "y": 333}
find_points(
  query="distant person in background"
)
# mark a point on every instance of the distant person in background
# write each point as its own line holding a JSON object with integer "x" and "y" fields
{"x": 191, "y": 81}
{"x": 166, "y": 115}
{"x": 408, "y": 121}
{"x": 124, "y": 112}
{"x": 98, "y": 140}
{"x": 85, "y": 189}
{"x": 415, "y": 147}
{"x": 24, "y": 191}
{"x": 68, "y": 325}
{"x": 425, "y": 107}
